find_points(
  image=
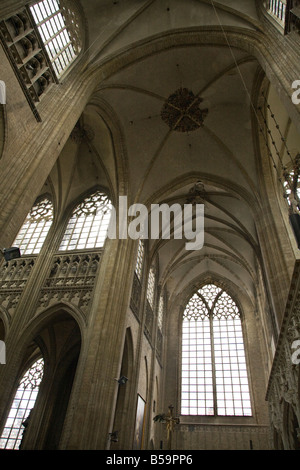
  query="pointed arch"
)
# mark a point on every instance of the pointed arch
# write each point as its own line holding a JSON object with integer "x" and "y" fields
{"x": 214, "y": 377}
{"x": 36, "y": 226}
{"x": 56, "y": 336}
{"x": 88, "y": 224}
{"x": 22, "y": 406}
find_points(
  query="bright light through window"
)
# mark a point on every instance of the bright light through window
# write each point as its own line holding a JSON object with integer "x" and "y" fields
{"x": 277, "y": 9}
{"x": 160, "y": 312}
{"x": 33, "y": 232}
{"x": 23, "y": 403}
{"x": 139, "y": 260}
{"x": 292, "y": 182}
{"x": 54, "y": 33}
{"x": 151, "y": 286}
{"x": 214, "y": 373}
{"x": 88, "y": 225}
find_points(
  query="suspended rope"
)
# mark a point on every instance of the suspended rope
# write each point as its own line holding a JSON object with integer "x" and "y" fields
{"x": 278, "y": 172}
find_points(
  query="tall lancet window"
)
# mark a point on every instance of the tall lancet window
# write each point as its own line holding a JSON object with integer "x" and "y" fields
{"x": 88, "y": 225}
{"x": 214, "y": 372}
{"x": 140, "y": 260}
{"x": 23, "y": 403}
{"x": 34, "y": 230}
{"x": 151, "y": 286}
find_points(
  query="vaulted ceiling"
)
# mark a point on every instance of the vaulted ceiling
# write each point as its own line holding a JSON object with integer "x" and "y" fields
{"x": 123, "y": 125}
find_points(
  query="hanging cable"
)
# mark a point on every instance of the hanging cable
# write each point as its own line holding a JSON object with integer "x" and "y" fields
{"x": 250, "y": 99}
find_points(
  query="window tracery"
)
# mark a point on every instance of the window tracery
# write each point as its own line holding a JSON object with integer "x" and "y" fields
{"x": 88, "y": 225}
{"x": 23, "y": 403}
{"x": 214, "y": 373}
{"x": 161, "y": 307}
{"x": 33, "y": 232}
{"x": 291, "y": 185}
{"x": 151, "y": 286}
{"x": 139, "y": 260}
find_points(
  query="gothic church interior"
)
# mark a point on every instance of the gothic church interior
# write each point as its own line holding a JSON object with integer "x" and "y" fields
{"x": 138, "y": 343}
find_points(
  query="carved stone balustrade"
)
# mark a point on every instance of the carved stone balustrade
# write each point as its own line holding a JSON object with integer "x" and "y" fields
{"x": 71, "y": 280}
{"x": 14, "y": 275}
{"x": 283, "y": 388}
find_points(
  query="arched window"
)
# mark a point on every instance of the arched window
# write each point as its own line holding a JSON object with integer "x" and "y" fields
{"x": 23, "y": 403}
{"x": 58, "y": 28}
{"x": 139, "y": 260}
{"x": 161, "y": 308}
{"x": 151, "y": 286}
{"x": 33, "y": 232}
{"x": 214, "y": 372}
{"x": 88, "y": 225}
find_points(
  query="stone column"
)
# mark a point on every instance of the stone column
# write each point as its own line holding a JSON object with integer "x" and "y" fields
{"x": 92, "y": 407}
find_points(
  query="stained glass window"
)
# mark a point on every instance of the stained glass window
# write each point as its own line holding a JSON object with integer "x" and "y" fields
{"x": 33, "y": 232}
{"x": 88, "y": 225}
{"x": 51, "y": 23}
{"x": 23, "y": 403}
{"x": 214, "y": 372}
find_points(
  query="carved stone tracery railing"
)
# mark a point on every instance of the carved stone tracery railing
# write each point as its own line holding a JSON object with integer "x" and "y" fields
{"x": 13, "y": 279}
{"x": 283, "y": 388}
{"x": 27, "y": 55}
{"x": 71, "y": 279}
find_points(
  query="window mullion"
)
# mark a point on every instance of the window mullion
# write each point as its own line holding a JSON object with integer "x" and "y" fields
{"x": 213, "y": 360}
{"x": 53, "y": 36}
{"x": 40, "y": 23}
{"x": 51, "y": 26}
{"x": 90, "y": 229}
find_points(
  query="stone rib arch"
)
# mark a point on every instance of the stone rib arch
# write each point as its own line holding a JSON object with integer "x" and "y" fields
{"x": 56, "y": 334}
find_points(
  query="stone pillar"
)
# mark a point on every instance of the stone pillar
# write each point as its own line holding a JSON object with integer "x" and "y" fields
{"x": 92, "y": 407}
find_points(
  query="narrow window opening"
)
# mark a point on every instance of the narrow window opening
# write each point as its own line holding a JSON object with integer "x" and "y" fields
{"x": 23, "y": 403}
